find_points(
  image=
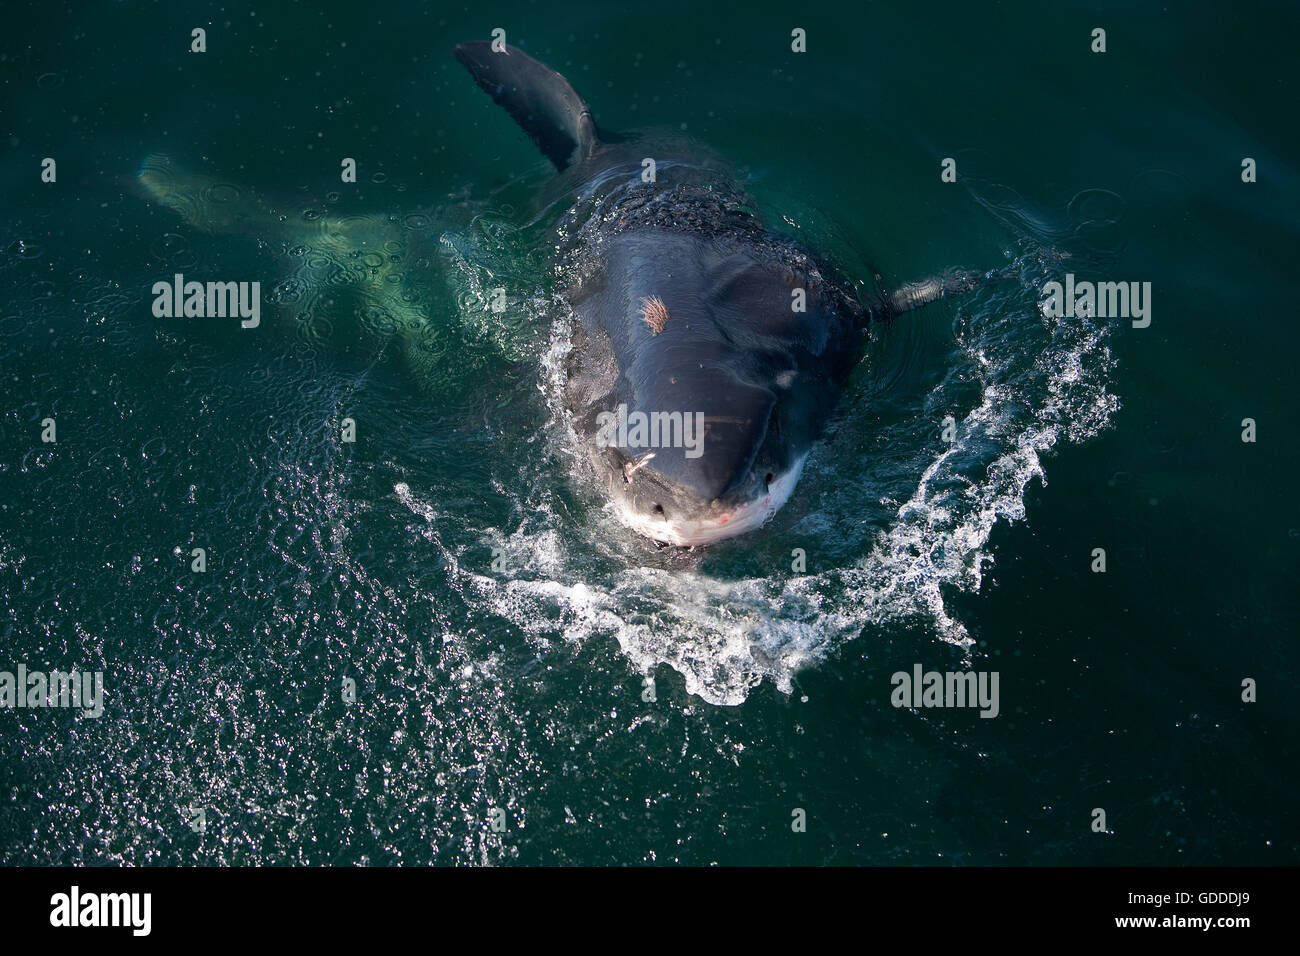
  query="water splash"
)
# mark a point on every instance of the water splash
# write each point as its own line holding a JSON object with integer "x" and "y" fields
{"x": 1019, "y": 383}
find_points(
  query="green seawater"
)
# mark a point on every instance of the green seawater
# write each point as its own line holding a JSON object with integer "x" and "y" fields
{"x": 394, "y": 639}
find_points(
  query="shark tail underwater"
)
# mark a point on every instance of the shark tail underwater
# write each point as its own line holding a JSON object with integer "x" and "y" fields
{"x": 364, "y": 258}
{"x": 707, "y": 351}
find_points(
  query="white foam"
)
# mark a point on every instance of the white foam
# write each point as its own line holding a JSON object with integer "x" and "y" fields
{"x": 1040, "y": 381}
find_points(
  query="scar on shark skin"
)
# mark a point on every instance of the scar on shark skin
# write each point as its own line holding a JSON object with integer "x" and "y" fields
{"x": 630, "y": 468}
{"x": 654, "y": 313}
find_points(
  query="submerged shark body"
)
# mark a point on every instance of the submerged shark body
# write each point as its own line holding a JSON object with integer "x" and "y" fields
{"x": 707, "y": 351}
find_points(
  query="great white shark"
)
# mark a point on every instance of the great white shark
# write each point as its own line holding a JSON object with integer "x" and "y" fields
{"x": 707, "y": 350}
{"x": 688, "y": 312}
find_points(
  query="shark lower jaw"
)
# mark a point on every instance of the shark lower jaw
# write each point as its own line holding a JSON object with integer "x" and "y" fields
{"x": 726, "y": 524}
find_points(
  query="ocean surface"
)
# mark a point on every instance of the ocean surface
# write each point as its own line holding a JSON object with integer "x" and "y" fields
{"x": 436, "y": 644}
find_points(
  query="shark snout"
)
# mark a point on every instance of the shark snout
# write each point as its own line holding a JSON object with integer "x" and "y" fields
{"x": 659, "y": 507}
{"x": 716, "y": 521}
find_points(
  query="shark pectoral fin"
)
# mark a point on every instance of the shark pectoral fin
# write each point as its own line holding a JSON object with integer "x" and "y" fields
{"x": 541, "y": 101}
{"x": 914, "y": 295}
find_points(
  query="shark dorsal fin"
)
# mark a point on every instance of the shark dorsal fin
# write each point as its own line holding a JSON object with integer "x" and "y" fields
{"x": 541, "y": 101}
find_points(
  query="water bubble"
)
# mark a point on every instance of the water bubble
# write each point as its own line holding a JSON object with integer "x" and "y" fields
{"x": 222, "y": 193}
{"x": 1096, "y": 206}
{"x": 313, "y": 328}
{"x": 153, "y": 448}
{"x": 25, "y": 249}
{"x": 169, "y": 245}
{"x": 1159, "y": 441}
{"x": 377, "y": 320}
{"x": 288, "y": 291}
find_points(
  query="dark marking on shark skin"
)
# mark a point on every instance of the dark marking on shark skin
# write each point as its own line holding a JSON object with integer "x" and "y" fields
{"x": 685, "y": 303}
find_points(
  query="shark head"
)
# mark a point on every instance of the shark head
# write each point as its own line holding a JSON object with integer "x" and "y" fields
{"x": 695, "y": 386}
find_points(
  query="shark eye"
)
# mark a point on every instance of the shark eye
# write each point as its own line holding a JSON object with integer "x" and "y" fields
{"x": 769, "y": 479}
{"x": 657, "y": 509}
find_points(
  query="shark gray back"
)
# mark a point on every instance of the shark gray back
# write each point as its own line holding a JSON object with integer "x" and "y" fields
{"x": 708, "y": 351}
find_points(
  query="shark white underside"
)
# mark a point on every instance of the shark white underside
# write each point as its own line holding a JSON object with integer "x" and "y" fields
{"x": 726, "y": 524}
